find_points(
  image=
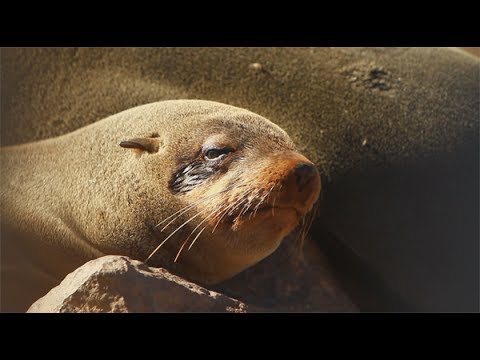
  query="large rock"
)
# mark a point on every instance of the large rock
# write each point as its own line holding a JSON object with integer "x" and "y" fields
{"x": 119, "y": 284}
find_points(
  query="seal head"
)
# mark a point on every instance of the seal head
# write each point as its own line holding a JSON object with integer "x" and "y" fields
{"x": 238, "y": 184}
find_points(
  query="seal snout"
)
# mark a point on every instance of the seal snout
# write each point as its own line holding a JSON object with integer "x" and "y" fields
{"x": 305, "y": 174}
{"x": 299, "y": 181}
{"x": 303, "y": 185}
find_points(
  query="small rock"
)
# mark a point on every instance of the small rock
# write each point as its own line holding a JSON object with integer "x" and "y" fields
{"x": 256, "y": 66}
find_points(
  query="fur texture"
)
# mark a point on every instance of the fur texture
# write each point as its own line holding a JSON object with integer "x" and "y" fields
{"x": 84, "y": 196}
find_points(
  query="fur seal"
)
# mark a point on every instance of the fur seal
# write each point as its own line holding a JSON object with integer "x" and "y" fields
{"x": 201, "y": 188}
{"x": 394, "y": 132}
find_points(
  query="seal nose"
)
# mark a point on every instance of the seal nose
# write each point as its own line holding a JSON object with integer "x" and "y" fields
{"x": 304, "y": 174}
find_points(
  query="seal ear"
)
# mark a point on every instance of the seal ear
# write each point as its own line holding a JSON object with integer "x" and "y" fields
{"x": 150, "y": 145}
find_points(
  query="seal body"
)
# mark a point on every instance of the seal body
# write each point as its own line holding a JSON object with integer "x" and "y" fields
{"x": 201, "y": 188}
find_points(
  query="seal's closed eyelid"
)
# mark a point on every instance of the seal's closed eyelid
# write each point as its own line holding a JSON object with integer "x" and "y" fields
{"x": 214, "y": 152}
{"x": 150, "y": 145}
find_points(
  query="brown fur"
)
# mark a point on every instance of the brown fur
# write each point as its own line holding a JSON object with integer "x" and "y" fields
{"x": 79, "y": 196}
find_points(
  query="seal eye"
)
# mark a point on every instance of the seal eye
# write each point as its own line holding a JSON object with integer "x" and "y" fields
{"x": 217, "y": 154}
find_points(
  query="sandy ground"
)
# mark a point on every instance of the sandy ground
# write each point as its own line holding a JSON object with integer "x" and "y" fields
{"x": 473, "y": 50}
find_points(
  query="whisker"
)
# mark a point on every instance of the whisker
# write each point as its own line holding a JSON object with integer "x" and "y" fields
{"x": 273, "y": 205}
{"x": 312, "y": 217}
{"x": 179, "y": 212}
{"x": 234, "y": 206}
{"x": 192, "y": 205}
{"x": 196, "y": 237}
{"x": 169, "y": 236}
{"x": 275, "y": 199}
{"x": 241, "y": 211}
{"x": 307, "y": 222}
{"x": 240, "y": 200}
{"x": 188, "y": 207}
{"x": 248, "y": 204}
{"x": 298, "y": 239}
{"x": 256, "y": 196}
{"x": 179, "y": 251}
{"x": 186, "y": 240}
{"x": 262, "y": 200}
{"x": 224, "y": 211}
{"x": 213, "y": 214}
{"x": 268, "y": 194}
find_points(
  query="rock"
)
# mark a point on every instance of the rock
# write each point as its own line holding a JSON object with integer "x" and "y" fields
{"x": 120, "y": 284}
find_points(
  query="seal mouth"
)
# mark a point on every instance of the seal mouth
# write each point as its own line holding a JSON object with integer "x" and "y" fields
{"x": 249, "y": 213}
{"x": 261, "y": 211}
{"x": 258, "y": 210}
